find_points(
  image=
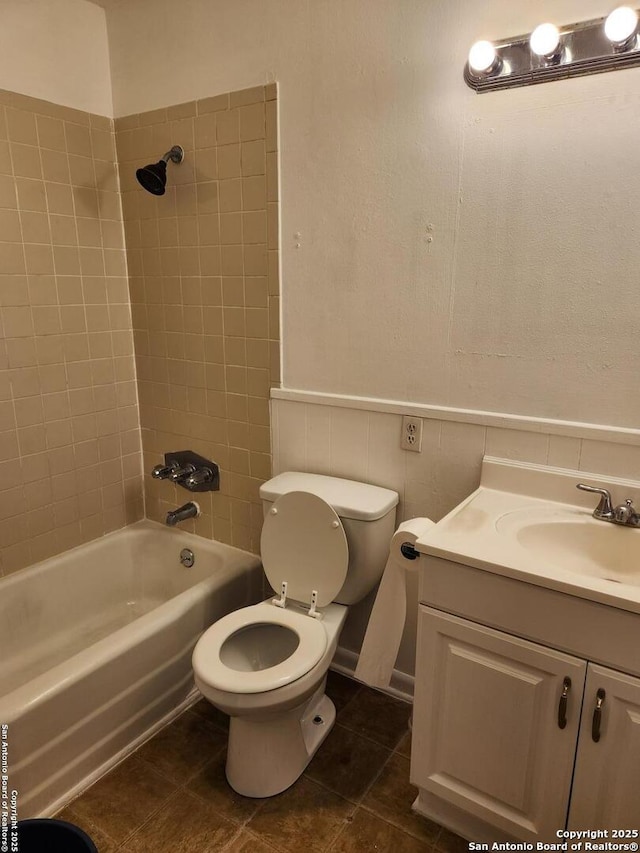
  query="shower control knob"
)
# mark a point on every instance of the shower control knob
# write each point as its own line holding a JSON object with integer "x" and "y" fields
{"x": 189, "y": 470}
{"x": 163, "y": 472}
{"x": 198, "y": 478}
{"x": 179, "y": 475}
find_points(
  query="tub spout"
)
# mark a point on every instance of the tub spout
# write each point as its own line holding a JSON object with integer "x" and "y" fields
{"x": 189, "y": 510}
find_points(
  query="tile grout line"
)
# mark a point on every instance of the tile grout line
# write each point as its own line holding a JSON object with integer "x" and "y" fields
{"x": 241, "y": 826}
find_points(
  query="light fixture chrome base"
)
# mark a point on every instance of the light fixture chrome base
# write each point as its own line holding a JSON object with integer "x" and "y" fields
{"x": 584, "y": 47}
{"x": 176, "y": 154}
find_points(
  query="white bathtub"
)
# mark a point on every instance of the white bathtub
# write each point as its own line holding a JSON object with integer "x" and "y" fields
{"x": 95, "y": 651}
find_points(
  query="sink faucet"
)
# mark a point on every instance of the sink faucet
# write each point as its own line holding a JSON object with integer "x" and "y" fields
{"x": 624, "y": 513}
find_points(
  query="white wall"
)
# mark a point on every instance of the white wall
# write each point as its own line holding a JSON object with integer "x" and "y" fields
{"x": 56, "y": 50}
{"x": 524, "y": 301}
{"x": 476, "y": 252}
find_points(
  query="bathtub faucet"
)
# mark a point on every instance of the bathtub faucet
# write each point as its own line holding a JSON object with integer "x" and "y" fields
{"x": 189, "y": 510}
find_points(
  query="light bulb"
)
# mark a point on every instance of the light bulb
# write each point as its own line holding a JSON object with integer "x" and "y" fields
{"x": 621, "y": 25}
{"x": 483, "y": 57}
{"x": 545, "y": 40}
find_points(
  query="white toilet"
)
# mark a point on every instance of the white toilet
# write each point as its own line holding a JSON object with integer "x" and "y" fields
{"x": 324, "y": 545}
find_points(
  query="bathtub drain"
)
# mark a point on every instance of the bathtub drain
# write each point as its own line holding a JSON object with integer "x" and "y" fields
{"x": 187, "y": 557}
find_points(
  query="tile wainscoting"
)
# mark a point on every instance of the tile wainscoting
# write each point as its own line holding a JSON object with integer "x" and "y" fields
{"x": 362, "y": 444}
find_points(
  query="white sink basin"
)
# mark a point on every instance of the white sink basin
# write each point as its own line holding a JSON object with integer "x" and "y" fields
{"x": 575, "y": 543}
{"x": 530, "y": 523}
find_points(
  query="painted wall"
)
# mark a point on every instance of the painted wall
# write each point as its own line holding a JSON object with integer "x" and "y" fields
{"x": 438, "y": 247}
{"x": 471, "y": 251}
{"x": 56, "y": 51}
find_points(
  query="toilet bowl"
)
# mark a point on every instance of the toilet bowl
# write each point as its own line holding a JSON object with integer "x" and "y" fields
{"x": 266, "y": 665}
{"x": 275, "y": 730}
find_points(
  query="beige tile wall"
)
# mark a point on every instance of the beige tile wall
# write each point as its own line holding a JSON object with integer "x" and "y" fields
{"x": 69, "y": 429}
{"x": 203, "y": 265}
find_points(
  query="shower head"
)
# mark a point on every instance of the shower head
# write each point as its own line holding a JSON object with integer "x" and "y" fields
{"x": 154, "y": 176}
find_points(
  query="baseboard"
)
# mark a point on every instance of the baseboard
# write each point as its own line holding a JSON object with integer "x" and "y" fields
{"x": 401, "y": 685}
{"x": 459, "y": 821}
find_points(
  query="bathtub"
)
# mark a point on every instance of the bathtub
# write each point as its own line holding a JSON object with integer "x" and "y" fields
{"x": 95, "y": 651}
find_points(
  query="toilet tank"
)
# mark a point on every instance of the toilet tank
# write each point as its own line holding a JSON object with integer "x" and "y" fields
{"x": 368, "y": 515}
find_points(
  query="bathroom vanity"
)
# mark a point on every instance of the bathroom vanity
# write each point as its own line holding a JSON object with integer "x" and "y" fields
{"x": 527, "y": 698}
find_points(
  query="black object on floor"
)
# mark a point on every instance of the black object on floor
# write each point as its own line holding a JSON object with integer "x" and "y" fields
{"x": 48, "y": 835}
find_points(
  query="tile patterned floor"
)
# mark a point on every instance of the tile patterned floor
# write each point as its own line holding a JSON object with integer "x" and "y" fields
{"x": 355, "y": 796}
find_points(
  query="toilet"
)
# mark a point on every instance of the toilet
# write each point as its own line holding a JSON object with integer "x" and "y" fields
{"x": 324, "y": 545}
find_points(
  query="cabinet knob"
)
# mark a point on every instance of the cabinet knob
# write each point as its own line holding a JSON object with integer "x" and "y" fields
{"x": 597, "y": 715}
{"x": 562, "y": 706}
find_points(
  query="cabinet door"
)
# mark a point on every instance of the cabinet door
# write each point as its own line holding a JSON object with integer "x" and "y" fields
{"x": 606, "y": 786}
{"x": 486, "y": 727}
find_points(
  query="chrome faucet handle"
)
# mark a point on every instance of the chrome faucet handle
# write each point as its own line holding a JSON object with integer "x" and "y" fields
{"x": 163, "y": 472}
{"x": 178, "y": 475}
{"x": 624, "y": 513}
{"x": 189, "y": 470}
{"x": 605, "y": 507}
{"x": 198, "y": 477}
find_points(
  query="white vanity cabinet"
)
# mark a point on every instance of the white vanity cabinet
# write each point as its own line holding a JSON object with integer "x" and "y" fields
{"x": 606, "y": 787}
{"x": 487, "y": 735}
{"x": 503, "y": 743}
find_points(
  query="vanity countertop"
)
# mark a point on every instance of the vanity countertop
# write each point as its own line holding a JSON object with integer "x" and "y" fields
{"x": 530, "y": 523}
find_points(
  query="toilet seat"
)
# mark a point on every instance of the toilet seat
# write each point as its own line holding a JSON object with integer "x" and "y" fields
{"x": 305, "y": 558}
{"x": 211, "y": 669}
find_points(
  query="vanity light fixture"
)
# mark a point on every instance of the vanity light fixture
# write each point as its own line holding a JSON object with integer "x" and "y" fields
{"x": 554, "y": 53}
{"x": 621, "y": 28}
{"x": 545, "y": 42}
{"x": 483, "y": 59}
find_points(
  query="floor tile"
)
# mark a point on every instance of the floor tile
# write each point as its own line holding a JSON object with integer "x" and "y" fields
{"x": 341, "y": 689}
{"x": 123, "y": 799}
{"x": 306, "y": 817}
{"x": 211, "y": 785}
{"x": 205, "y": 709}
{"x": 188, "y": 826}
{"x": 245, "y": 842}
{"x": 391, "y": 797}
{"x": 182, "y": 749}
{"x": 367, "y": 833}
{"x": 448, "y": 842}
{"x": 102, "y": 841}
{"x": 347, "y": 763}
{"x": 139, "y": 807}
{"x": 377, "y": 716}
{"x": 404, "y": 747}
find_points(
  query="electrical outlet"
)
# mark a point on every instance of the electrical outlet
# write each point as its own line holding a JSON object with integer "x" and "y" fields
{"x": 411, "y": 438}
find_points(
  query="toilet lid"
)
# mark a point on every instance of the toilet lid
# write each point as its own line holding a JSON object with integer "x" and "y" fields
{"x": 303, "y": 543}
